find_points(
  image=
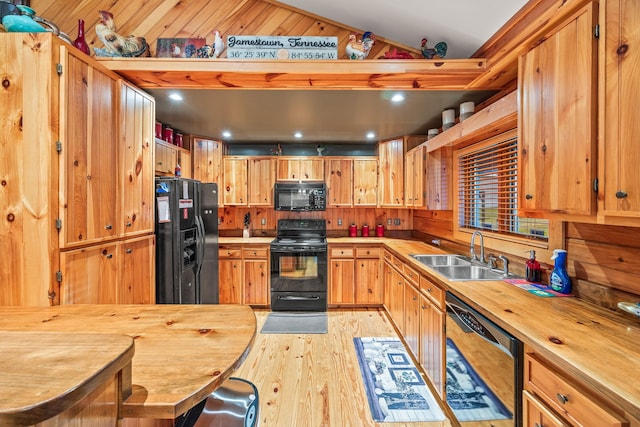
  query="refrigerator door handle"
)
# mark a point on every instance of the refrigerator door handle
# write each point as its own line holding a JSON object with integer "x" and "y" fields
{"x": 201, "y": 241}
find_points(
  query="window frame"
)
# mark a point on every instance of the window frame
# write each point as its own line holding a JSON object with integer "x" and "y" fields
{"x": 506, "y": 243}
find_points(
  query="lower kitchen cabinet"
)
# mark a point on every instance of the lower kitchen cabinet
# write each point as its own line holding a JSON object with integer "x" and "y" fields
{"x": 243, "y": 274}
{"x": 432, "y": 354}
{"x": 555, "y": 399}
{"x": 113, "y": 273}
{"x": 412, "y": 318}
{"x": 354, "y": 275}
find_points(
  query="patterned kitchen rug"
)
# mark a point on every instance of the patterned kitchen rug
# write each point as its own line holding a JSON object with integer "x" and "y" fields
{"x": 467, "y": 394}
{"x": 395, "y": 390}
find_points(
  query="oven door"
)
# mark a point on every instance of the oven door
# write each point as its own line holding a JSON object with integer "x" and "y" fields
{"x": 484, "y": 369}
{"x": 298, "y": 279}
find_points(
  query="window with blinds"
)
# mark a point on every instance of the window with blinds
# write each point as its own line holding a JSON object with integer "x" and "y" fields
{"x": 488, "y": 190}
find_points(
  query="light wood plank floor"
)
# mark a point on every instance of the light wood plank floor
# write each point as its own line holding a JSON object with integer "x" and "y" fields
{"x": 314, "y": 379}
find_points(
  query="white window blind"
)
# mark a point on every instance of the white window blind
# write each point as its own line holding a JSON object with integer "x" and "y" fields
{"x": 488, "y": 190}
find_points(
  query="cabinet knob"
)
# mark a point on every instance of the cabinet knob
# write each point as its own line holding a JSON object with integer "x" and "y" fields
{"x": 128, "y": 251}
{"x": 562, "y": 398}
{"x": 128, "y": 224}
{"x": 109, "y": 256}
{"x": 621, "y": 194}
{"x": 108, "y": 226}
{"x": 528, "y": 197}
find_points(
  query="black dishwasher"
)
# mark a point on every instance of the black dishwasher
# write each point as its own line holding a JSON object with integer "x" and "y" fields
{"x": 484, "y": 368}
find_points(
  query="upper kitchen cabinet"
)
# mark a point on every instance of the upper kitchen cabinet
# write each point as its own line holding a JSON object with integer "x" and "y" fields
{"x": 339, "y": 173}
{"x": 439, "y": 179}
{"x": 365, "y": 182}
{"x": 89, "y": 142}
{"x": 557, "y": 83}
{"x": 391, "y": 179}
{"x": 262, "y": 173}
{"x": 234, "y": 184}
{"x": 137, "y": 115}
{"x": 415, "y": 172}
{"x": 298, "y": 169}
{"x": 620, "y": 116}
{"x": 207, "y": 155}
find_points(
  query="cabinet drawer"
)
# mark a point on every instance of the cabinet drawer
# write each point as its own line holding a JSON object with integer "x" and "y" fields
{"x": 368, "y": 253}
{"x": 229, "y": 252}
{"x": 411, "y": 274}
{"x": 341, "y": 252}
{"x": 255, "y": 252}
{"x": 434, "y": 292}
{"x": 388, "y": 257}
{"x": 566, "y": 399}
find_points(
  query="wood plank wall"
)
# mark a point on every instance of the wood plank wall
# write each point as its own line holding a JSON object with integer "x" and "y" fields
{"x": 155, "y": 19}
{"x": 233, "y": 217}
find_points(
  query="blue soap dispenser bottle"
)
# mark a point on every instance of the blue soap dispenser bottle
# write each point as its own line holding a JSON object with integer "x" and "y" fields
{"x": 559, "y": 279}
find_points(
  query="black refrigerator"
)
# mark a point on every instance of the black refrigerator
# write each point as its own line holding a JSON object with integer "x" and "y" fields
{"x": 186, "y": 241}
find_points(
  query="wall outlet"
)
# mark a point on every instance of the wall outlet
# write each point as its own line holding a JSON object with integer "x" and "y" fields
{"x": 339, "y": 221}
{"x": 263, "y": 221}
{"x": 389, "y": 221}
{"x": 396, "y": 221}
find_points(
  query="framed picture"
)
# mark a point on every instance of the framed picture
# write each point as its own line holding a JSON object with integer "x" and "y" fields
{"x": 181, "y": 48}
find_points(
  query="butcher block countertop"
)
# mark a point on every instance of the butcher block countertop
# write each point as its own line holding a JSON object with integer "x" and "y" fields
{"x": 182, "y": 352}
{"x": 36, "y": 382}
{"x": 597, "y": 346}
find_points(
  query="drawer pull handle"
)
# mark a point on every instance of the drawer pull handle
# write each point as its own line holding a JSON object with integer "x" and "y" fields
{"x": 528, "y": 197}
{"x": 562, "y": 398}
{"x": 621, "y": 194}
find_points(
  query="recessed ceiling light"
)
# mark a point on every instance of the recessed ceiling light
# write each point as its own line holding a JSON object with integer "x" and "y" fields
{"x": 298, "y": 134}
{"x": 398, "y": 97}
{"x": 175, "y": 97}
{"x": 371, "y": 135}
{"x": 226, "y": 134}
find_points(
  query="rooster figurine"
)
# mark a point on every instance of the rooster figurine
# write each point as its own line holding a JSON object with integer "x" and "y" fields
{"x": 438, "y": 51}
{"x": 215, "y": 49}
{"x": 116, "y": 44}
{"x": 359, "y": 49}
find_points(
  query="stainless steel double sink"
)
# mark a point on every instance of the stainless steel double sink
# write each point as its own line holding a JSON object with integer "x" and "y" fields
{"x": 458, "y": 267}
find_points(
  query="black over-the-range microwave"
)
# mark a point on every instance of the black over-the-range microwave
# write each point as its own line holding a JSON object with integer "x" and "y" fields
{"x": 303, "y": 196}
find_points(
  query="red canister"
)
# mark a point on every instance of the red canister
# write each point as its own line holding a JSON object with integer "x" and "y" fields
{"x": 379, "y": 230}
{"x": 158, "y": 130}
{"x": 167, "y": 134}
{"x": 365, "y": 230}
{"x": 177, "y": 139}
{"x": 353, "y": 230}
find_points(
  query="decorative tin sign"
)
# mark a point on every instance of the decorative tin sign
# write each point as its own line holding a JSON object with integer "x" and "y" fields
{"x": 282, "y": 47}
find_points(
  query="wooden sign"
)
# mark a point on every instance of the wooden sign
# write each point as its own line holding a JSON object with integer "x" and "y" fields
{"x": 281, "y": 47}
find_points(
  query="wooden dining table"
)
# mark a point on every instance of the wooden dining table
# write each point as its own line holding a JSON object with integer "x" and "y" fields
{"x": 178, "y": 354}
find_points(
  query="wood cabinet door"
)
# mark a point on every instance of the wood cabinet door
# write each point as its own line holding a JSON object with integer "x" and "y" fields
{"x": 368, "y": 283}
{"x": 412, "y": 319}
{"x": 184, "y": 160}
{"x": 419, "y": 177}
{"x": 387, "y": 281}
{"x": 557, "y": 120}
{"x": 312, "y": 169}
{"x": 137, "y": 284}
{"x": 288, "y": 170}
{"x": 339, "y": 175}
{"x": 391, "y": 179}
{"x": 365, "y": 182}
{"x": 234, "y": 187}
{"x": 620, "y": 150}
{"x": 262, "y": 176}
{"x": 137, "y": 117}
{"x": 207, "y": 159}
{"x": 166, "y": 159}
{"x": 89, "y": 175}
{"x": 409, "y": 179}
{"x": 396, "y": 299}
{"x": 89, "y": 275}
{"x": 341, "y": 288}
{"x": 432, "y": 348}
{"x": 439, "y": 181}
{"x": 256, "y": 282}
{"x": 230, "y": 281}
{"x": 536, "y": 414}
